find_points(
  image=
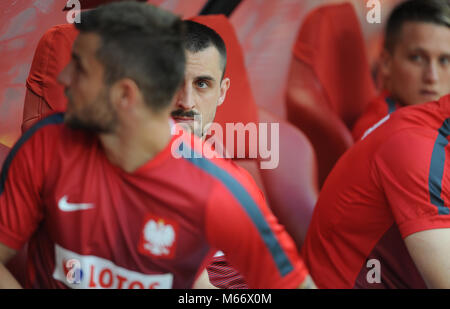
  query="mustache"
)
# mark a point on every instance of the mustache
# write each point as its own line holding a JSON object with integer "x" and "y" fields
{"x": 182, "y": 113}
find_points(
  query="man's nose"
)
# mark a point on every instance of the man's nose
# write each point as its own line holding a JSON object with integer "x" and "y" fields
{"x": 431, "y": 74}
{"x": 64, "y": 76}
{"x": 185, "y": 99}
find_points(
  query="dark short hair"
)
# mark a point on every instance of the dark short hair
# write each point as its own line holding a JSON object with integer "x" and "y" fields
{"x": 428, "y": 11}
{"x": 199, "y": 37}
{"x": 141, "y": 42}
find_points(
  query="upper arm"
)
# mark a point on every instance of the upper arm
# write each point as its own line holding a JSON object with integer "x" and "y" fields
{"x": 405, "y": 170}
{"x": 20, "y": 192}
{"x": 203, "y": 281}
{"x": 6, "y": 253}
{"x": 430, "y": 251}
{"x": 413, "y": 172}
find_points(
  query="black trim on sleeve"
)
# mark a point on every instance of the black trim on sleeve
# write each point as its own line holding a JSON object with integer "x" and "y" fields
{"x": 53, "y": 119}
{"x": 437, "y": 166}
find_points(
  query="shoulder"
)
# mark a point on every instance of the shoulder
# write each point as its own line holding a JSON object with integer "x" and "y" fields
{"x": 48, "y": 135}
{"x": 53, "y": 129}
{"x": 43, "y": 132}
{"x": 410, "y": 139}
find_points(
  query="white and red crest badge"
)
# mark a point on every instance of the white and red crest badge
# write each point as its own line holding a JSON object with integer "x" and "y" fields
{"x": 158, "y": 237}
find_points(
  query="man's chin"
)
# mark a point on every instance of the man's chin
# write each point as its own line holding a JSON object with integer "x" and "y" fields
{"x": 70, "y": 121}
{"x": 420, "y": 99}
{"x": 185, "y": 122}
{"x": 74, "y": 124}
{"x": 424, "y": 98}
{"x": 77, "y": 124}
{"x": 188, "y": 125}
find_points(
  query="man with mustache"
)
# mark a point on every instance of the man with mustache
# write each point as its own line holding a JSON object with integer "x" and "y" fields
{"x": 204, "y": 89}
{"x": 205, "y": 86}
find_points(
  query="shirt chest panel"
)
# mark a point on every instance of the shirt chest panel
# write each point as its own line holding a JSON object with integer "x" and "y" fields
{"x": 98, "y": 213}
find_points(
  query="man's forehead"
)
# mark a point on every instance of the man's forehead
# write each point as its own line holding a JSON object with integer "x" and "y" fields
{"x": 206, "y": 61}
{"x": 417, "y": 33}
{"x": 86, "y": 44}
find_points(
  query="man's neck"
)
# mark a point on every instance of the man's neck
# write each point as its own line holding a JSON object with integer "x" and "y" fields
{"x": 133, "y": 146}
{"x": 391, "y": 94}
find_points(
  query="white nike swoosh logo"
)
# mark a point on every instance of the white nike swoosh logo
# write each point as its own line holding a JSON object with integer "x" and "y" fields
{"x": 65, "y": 206}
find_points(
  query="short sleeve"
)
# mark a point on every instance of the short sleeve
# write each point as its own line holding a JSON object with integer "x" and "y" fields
{"x": 413, "y": 170}
{"x": 20, "y": 186}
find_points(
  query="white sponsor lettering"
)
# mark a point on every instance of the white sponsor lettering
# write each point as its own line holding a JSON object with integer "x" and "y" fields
{"x": 98, "y": 273}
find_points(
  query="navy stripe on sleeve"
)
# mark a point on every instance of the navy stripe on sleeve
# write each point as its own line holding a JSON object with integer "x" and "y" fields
{"x": 53, "y": 119}
{"x": 281, "y": 260}
{"x": 437, "y": 169}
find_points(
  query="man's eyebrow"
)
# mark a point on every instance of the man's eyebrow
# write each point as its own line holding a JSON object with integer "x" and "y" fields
{"x": 423, "y": 51}
{"x": 418, "y": 49}
{"x": 205, "y": 77}
{"x": 78, "y": 59}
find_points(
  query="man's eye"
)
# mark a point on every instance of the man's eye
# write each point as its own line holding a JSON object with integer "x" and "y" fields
{"x": 416, "y": 58}
{"x": 78, "y": 67}
{"x": 444, "y": 60}
{"x": 202, "y": 84}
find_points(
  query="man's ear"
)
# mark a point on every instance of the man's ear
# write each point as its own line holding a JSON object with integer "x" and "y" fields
{"x": 386, "y": 63}
{"x": 224, "y": 86}
{"x": 124, "y": 93}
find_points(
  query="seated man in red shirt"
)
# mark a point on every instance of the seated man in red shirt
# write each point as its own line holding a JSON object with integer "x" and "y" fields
{"x": 383, "y": 217}
{"x": 204, "y": 89}
{"x": 415, "y": 62}
{"x": 108, "y": 198}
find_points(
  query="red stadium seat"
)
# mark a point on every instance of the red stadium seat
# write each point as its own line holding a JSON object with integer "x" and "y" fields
{"x": 44, "y": 94}
{"x": 329, "y": 82}
{"x": 292, "y": 188}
